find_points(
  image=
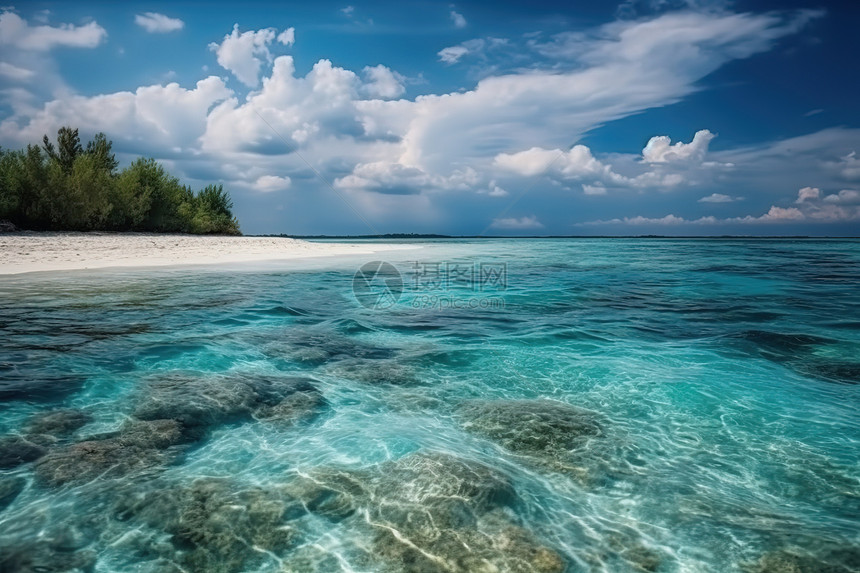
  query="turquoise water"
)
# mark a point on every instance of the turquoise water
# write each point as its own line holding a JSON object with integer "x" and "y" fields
{"x": 611, "y": 405}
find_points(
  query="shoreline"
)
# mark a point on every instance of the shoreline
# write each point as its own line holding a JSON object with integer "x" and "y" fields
{"x": 29, "y": 252}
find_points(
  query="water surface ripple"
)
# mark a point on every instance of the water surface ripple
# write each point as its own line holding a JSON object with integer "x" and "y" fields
{"x": 635, "y": 405}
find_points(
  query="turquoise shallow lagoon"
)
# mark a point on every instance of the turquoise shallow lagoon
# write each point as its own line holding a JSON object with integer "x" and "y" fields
{"x": 572, "y": 405}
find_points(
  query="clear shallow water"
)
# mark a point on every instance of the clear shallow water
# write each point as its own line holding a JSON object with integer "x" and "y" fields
{"x": 703, "y": 416}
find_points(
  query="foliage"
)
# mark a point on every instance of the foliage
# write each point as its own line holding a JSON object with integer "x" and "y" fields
{"x": 65, "y": 186}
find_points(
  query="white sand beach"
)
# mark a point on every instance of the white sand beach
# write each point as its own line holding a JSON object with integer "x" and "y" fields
{"x": 30, "y": 252}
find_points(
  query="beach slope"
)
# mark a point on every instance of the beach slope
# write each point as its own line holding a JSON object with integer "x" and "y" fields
{"x": 30, "y": 252}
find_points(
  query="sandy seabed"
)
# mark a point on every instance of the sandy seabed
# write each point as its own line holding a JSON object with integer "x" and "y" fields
{"x": 29, "y": 252}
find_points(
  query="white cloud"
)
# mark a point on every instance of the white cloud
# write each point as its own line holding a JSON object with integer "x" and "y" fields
{"x": 849, "y": 167}
{"x": 846, "y": 196}
{"x": 321, "y": 104}
{"x": 482, "y": 48}
{"x": 719, "y": 198}
{"x": 270, "y": 183}
{"x": 287, "y": 37}
{"x": 400, "y": 179}
{"x": 14, "y": 72}
{"x": 576, "y": 164}
{"x": 150, "y": 118}
{"x": 812, "y": 208}
{"x": 596, "y": 189}
{"x": 383, "y": 83}
{"x": 837, "y": 207}
{"x": 15, "y": 32}
{"x": 808, "y": 194}
{"x": 660, "y": 149}
{"x": 667, "y": 220}
{"x": 243, "y": 53}
{"x": 452, "y": 54}
{"x": 579, "y": 164}
{"x": 778, "y": 214}
{"x": 348, "y": 10}
{"x": 458, "y": 19}
{"x": 156, "y": 23}
{"x": 517, "y": 224}
{"x": 494, "y": 190}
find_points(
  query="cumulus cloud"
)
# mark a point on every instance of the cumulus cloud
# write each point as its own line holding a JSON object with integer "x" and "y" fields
{"x": 812, "y": 207}
{"x": 458, "y": 19}
{"x": 846, "y": 196}
{"x": 517, "y": 224}
{"x": 596, "y": 189}
{"x": 15, "y": 32}
{"x": 156, "y": 23}
{"x": 493, "y": 190}
{"x": 661, "y": 150}
{"x": 579, "y": 164}
{"x": 270, "y": 183}
{"x": 383, "y": 83}
{"x": 151, "y": 118}
{"x": 287, "y": 37}
{"x": 808, "y": 194}
{"x": 480, "y": 47}
{"x": 719, "y": 198}
{"x": 452, "y": 54}
{"x": 400, "y": 179}
{"x": 848, "y": 167}
{"x": 243, "y": 53}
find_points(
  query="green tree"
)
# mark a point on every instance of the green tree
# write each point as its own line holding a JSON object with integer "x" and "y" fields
{"x": 10, "y": 184}
{"x": 68, "y": 148}
{"x": 35, "y": 195}
{"x": 100, "y": 150}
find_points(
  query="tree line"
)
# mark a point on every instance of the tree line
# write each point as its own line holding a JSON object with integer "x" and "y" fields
{"x": 65, "y": 186}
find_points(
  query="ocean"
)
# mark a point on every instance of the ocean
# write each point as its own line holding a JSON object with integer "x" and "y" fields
{"x": 599, "y": 405}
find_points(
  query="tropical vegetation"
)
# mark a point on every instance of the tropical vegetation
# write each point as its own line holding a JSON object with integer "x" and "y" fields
{"x": 65, "y": 186}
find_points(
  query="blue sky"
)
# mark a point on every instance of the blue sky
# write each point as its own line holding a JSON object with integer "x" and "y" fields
{"x": 676, "y": 117}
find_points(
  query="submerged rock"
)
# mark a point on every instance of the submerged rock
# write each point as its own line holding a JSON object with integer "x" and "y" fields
{"x": 271, "y": 390}
{"x": 195, "y": 401}
{"x": 295, "y": 408}
{"x": 201, "y": 403}
{"x": 10, "y": 488}
{"x": 551, "y": 433}
{"x": 377, "y": 372}
{"x": 317, "y": 348}
{"x": 15, "y": 451}
{"x": 137, "y": 446}
{"x": 41, "y": 556}
{"x": 789, "y": 561}
{"x": 798, "y": 352}
{"x": 32, "y": 386}
{"x": 214, "y": 524}
{"x": 57, "y": 423}
{"x": 782, "y": 344}
{"x": 839, "y": 372}
{"x": 430, "y": 512}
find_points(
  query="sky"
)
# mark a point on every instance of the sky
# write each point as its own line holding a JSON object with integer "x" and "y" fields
{"x": 590, "y": 117}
